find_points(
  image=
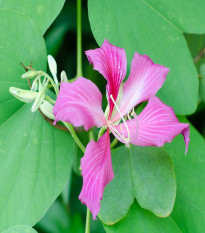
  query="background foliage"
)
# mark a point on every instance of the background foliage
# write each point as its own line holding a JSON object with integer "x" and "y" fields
{"x": 39, "y": 163}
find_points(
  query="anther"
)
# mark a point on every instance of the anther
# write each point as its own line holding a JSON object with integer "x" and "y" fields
{"x": 133, "y": 113}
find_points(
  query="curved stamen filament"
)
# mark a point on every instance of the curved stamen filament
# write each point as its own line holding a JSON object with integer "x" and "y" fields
{"x": 127, "y": 140}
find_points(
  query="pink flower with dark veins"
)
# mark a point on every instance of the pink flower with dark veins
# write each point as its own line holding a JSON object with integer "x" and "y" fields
{"x": 79, "y": 103}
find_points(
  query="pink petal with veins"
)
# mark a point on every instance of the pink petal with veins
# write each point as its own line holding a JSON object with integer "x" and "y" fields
{"x": 79, "y": 103}
{"x": 97, "y": 172}
{"x": 145, "y": 79}
{"x": 158, "y": 124}
{"x": 111, "y": 62}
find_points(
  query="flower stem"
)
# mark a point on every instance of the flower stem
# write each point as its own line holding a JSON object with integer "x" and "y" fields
{"x": 113, "y": 143}
{"x": 80, "y": 74}
{"x": 51, "y": 80}
{"x": 79, "y": 40}
{"x": 88, "y": 214}
{"x": 101, "y": 132}
{"x": 74, "y": 135}
{"x": 88, "y": 218}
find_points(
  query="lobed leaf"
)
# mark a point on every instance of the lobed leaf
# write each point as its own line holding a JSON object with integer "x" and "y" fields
{"x": 19, "y": 40}
{"x": 41, "y": 12}
{"x": 155, "y": 28}
{"x": 35, "y": 163}
{"x": 189, "y": 210}
{"x": 143, "y": 173}
{"x": 20, "y": 229}
{"x": 142, "y": 221}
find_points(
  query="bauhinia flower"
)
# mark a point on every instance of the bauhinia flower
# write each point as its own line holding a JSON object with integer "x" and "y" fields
{"x": 79, "y": 103}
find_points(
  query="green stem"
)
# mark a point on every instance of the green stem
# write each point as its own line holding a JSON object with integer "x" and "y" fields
{"x": 101, "y": 132}
{"x": 88, "y": 215}
{"x": 48, "y": 98}
{"x": 88, "y": 218}
{"x": 79, "y": 40}
{"x": 80, "y": 74}
{"x": 114, "y": 143}
{"x": 91, "y": 135}
{"x": 74, "y": 135}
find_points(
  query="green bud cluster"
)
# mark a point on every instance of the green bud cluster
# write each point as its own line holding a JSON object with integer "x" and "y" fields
{"x": 39, "y": 88}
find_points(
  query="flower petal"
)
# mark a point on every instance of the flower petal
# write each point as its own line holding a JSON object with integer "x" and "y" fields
{"x": 97, "y": 172}
{"x": 111, "y": 62}
{"x": 158, "y": 124}
{"x": 79, "y": 103}
{"x": 145, "y": 79}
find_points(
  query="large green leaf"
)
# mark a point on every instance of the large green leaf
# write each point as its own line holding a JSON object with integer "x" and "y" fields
{"x": 189, "y": 210}
{"x": 155, "y": 28}
{"x": 19, "y": 40}
{"x": 59, "y": 220}
{"x": 139, "y": 220}
{"x": 21, "y": 30}
{"x": 56, "y": 219}
{"x": 144, "y": 173}
{"x": 20, "y": 229}
{"x": 35, "y": 162}
{"x": 41, "y": 12}
{"x": 196, "y": 44}
{"x": 181, "y": 13}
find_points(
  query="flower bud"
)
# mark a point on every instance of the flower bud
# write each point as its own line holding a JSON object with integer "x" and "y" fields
{"x": 34, "y": 86}
{"x": 29, "y": 74}
{"x": 40, "y": 86}
{"x": 64, "y": 77}
{"x": 47, "y": 109}
{"x": 23, "y": 95}
{"x": 38, "y": 101}
{"x": 53, "y": 67}
{"x": 40, "y": 97}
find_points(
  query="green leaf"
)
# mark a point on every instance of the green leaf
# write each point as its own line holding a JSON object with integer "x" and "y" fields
{"x": 41, "y": 12}
{"x": 189, "y": 209}
{"x": 55, "y": 38}
{"x": 142, "y": 221}
{"x": 59, "y": 220}
{"x": 196, "y": 44}
{"x": 202, "y": 82}
{"x": 56, "y": 219}
{"x": 181, "y": 14}
{"x": 144, "y": 173}
{"x": 20, "y": 229}
{"x": 35, "y": 162}
{"x": 19, "y": 40}
{"x": 155, "y": 28}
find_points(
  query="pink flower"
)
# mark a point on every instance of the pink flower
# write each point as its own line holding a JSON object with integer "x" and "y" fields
{"x": 79, "y": 103}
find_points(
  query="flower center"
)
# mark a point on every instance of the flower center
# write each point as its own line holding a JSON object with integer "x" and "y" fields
{"x": 124, "y": 134}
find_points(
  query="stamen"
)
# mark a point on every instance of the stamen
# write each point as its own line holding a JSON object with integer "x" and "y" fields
{"x": 128, "y": 116}
{"x": 133, "y": 114}
{"x": 111, "y": 125}
{"x": 122, "y": 131}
